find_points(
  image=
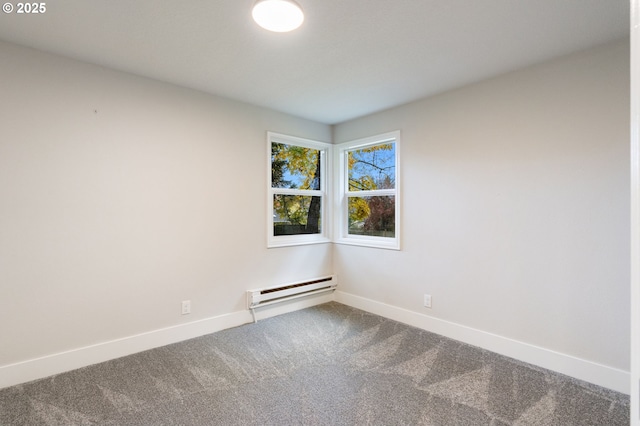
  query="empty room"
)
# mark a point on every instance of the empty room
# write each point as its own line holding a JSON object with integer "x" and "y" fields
{"x": 408, "y": 212}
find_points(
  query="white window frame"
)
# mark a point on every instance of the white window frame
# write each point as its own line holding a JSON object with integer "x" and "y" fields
{"x": 325, "y": 179}
{"x": 342, "y": 193}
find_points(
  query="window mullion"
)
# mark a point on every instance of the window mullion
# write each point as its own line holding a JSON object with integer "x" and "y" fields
{"x": 289, "y": 191}
{"x": 371, "y": 193}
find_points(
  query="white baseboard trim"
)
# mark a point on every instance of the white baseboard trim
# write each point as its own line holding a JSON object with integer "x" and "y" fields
{"x": 49, "y": 365}
{"x": 601, "y": 375}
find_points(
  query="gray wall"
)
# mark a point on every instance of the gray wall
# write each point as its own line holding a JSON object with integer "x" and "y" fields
{"x": 515, "y": 207}
{"x": 121, "y": 196}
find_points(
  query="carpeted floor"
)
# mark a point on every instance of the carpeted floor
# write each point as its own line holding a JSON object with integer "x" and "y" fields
{"x": 326, "y": 365}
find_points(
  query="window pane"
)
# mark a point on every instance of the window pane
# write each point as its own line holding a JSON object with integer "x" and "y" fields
{"x": 372, "y": 216}
{"x": 295, "y": 167}
{"x": 296, "y": 214}
{"x": 373, "y": 167}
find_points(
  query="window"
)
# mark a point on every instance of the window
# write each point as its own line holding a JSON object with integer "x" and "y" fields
{"x": 367, "y": 200}
{"x": 297, "y": 196}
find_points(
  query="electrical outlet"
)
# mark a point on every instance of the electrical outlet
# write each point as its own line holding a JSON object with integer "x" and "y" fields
{"x": 427, "y": 301}
{"x": 186, "y": 307}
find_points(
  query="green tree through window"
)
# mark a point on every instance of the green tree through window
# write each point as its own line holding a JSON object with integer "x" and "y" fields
{"x": 367, "y": 197}
{"x": 296, "y": 167}
{"x": 371, "y": 168}
{"x": 298, "y": 194}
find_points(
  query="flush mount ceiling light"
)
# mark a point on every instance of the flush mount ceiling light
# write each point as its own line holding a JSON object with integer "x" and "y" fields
{"x": 278, "y": 15}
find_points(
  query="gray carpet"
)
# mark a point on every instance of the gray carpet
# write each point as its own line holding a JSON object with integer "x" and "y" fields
{"x": 327, "y": 365}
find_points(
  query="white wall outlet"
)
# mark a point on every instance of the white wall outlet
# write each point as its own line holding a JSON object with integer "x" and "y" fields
{"x": 427, "y": 300}
{"x": 186, "y": 307}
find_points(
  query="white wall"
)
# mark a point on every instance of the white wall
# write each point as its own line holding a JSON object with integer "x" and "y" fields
{"x": 515, "y": 207}
{"x": 121, "y": 196}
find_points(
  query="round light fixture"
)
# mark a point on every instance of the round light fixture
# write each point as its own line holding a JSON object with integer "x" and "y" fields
{"x": 278, "y": 15}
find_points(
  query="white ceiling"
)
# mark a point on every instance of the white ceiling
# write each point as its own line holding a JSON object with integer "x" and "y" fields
{"x": 350, "y": 57}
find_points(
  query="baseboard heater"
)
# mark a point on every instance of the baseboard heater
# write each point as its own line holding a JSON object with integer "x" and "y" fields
{"x": 271, "y": 295}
